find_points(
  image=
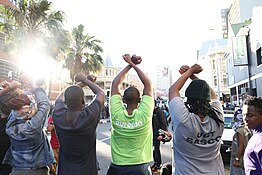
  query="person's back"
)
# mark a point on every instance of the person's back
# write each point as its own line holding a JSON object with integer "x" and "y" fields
{"x": 131, "y": 132}
{"x": 75, "y": 126}
{"x": 197, "y": 125}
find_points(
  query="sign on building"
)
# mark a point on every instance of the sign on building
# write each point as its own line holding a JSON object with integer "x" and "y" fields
{"x": 240, "y": 50}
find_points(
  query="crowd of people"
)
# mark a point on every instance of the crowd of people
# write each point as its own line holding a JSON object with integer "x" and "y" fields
{"x": 136, "y": 122}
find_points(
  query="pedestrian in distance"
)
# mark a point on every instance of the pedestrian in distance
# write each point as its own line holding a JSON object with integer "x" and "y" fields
{"x": 75, "y": 126}
{"x": 158, "y": 122}
{"x": 30, "y": 152}
{"x": 131, "y": 123}
{"x": 239, "y": 143}
{"x": 197, "y": 125}
{"x": 252, "y": 112}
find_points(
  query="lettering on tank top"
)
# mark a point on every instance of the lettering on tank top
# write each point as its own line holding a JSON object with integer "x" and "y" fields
{"x": 204, "y": 138}
{"x": 128, "y": 124}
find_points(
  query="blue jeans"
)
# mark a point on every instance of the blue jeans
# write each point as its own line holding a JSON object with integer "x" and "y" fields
{"x": 141, "y": 169}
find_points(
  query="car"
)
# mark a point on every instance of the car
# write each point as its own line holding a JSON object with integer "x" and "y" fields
{"x": 228, "y": 133}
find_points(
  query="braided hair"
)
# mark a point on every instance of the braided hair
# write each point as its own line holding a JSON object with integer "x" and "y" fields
{"x": 203, "y": 107}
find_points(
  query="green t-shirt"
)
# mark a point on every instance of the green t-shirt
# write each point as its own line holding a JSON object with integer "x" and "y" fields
{"x": 131, "y": 135}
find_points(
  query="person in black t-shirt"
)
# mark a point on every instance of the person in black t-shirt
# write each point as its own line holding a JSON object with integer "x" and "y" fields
{"x": 75, "y": 125}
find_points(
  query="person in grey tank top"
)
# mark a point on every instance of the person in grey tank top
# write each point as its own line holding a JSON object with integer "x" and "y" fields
{"x": 197, "y": 125}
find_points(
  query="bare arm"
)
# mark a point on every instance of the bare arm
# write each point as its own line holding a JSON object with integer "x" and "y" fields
{"x": 7, "y": 87}
{"x": 240, "y": 149}
{"x": 176, "y": 87}
{"x": 115, "y": 89}
{"x": 89, "y": 81}
{"x": 148, "y": 88}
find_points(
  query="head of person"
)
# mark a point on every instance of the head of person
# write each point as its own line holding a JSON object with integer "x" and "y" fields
{"x": 23, "y": 106}
{"x": 238, "y": 119}
{"x": 252, "y": 112}
{"x": 166, "y": 169}
{"x": 198, "y": 95}
{"x": 131, "y": 96}
{"x": 74, "y": 98}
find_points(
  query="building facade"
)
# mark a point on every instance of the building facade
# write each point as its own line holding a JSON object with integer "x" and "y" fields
{"x": 243, "y": 56}
{"x": 163, "y": 81}
{"x": 210, "y": 57}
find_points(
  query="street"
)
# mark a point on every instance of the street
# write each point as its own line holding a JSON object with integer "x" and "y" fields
{"x": 104, "y": 152}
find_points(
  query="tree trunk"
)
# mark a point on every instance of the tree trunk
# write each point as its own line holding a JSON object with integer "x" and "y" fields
{"x": 78, "y": 64}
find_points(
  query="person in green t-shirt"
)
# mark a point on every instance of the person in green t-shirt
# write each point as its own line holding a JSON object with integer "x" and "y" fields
{"x": 131, "y": 123}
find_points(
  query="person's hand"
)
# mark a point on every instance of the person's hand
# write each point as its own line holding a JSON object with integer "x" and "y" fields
{"x": 183, "y": 69}
{"x": 14, "y": 85}
{"x": 159, "y": 138}
{"x": 127, "y": 58}
{"x": 236, "y": 163}
{"x": 136, "y": 59}
{"x": 4, "y": 83}
{"x": 196, "y": 68}
{"x": 91, "y": 78}
{"x": 79, "y": 77}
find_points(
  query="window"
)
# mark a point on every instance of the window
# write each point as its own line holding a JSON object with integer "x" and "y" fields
{"x": 213, "y": 64}
{"x": 259, "y": 61}
{"x": 215, "y": 80}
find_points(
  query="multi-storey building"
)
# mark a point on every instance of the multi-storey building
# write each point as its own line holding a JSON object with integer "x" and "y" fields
{"x": 241, "y": 10}
{"x": 163, "y": 80}
{"x": 243, "y": 56}
{"x": 214, "y": 66}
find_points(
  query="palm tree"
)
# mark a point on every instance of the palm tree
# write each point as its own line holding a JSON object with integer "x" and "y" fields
{"x": 34, "y": 22}
{"x": 84, "y": 54}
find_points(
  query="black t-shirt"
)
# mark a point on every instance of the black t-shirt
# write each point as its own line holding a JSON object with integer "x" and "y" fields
{"x": 77, "y": 153}
{"x": 158, "y": 121}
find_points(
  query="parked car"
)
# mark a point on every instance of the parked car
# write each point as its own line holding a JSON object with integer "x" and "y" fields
{"x": 228, "y": 133}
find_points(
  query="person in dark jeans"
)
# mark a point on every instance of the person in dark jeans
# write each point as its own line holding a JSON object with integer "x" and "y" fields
{"x": 158, "y": 122}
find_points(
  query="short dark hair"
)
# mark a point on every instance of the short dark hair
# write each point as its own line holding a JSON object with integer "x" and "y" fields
{"x": 254, "y": 101}
{"x": 74, "y": 97}
{"x": 131, "y": 95}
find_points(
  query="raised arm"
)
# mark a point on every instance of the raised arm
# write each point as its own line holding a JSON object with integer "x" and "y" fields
{"x": 7, "y": 87}
{"x": 148, "y": 88}
{"x": 187, "y": 73}
{"x": 184, "y": 68}
{"x": 89, "y": 81}
{"x": 115, "y": 88}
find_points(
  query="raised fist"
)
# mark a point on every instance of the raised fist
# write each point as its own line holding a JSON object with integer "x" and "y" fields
{"x": 79, "y": 77}
{"x": 196, "y": 68}
{"x": 136, "y": 59}
{"x": 183, "y": 69}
